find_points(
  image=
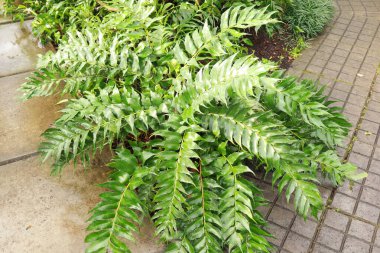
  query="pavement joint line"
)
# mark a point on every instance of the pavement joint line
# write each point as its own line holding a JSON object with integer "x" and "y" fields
{"x": 18, "y": 158}
{"x": 17, "y": 73}
{"x": 374, "y": 235}
{"x": 332, "y": 194}
{"x": 346, "y": 59}
{"x": 353, "y": 216}
{"x": 308, "y": 239}
{"x": 351, "y": 145}
{"x": 362, "y": 115}
{"x": 353, "y": 236}
{"x": 353, "y": 139}
{"x": 272, "y": 204}
{"x": 14, "y": 21}
{"x": 288, "y": 231}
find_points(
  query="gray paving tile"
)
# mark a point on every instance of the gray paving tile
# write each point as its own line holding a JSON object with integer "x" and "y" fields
{"x": 373, "y": 181}
{"x": 359, "y": 160}
{"x": 322, "y": 249}
{"x": 350, "y": 189}
{"x": 344, "y": 203}
{"x": 370, "y": 196}
{"x": 47, "y": 214}
{"x": 370, "y": 126}
{"x": 296, "y": 244}
{"x": 281, "y": 216}
{"x": 18, "y": 49}
{"x": 277, "y": 232}
{"x": 367, "y": 137}
{"x": 330, "y": 238}
{"x": 22, "y": 123}
{"x": 362, "y": 148}
{"x": 361, "y": 230}
{"x": 336, "y": 220}
{"x": 377, "y": 238}
{"x": 368, "y": 212}
{"x": 375, "y": 167}
{"x": 353, "y": 245}
{"x": 304, "y": 228}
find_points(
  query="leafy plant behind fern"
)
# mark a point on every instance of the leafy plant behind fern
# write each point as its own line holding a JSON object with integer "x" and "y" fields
{"x": 171, "y": 87}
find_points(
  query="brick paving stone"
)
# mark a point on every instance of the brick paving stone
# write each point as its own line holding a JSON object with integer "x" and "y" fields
{"x": 282, "y": 202}
{"x": 370, "y": 126}
{"x": 327, "y": 49}
{"x": 356, "y": 99}
{"x": 305, "y": 228}
{"x": 281, "y": 216}
{"x": 368, "y": 212}
{"x": 314, "y": 69}
{"x": 375, "y": 167}
{"x": 376, "y": 96}
{"x": 296, "y": 244}
{"x": 373, "y": 180}
{"x": 376, "y": 155}
{"x": 353, "y": 245}
{"x": 374, "y": 106}
{"x": 367, "y": 137}
{"x": 321, "y": 249}
{"x": 370, "y": 196}
{"x": 350, "y": 188}
{"x": 360, "y": 91}
{"x": 353, "y": 119}
{"x": 377, "y": 238}
{"x": 373, "y": 116}
{"x": 359, "y": 160}
{"x": 277, "y": 232}
{"x": 361, "y": 230}
{"x": 362, "y": 148}
{"x": 330, "y": 237}
{"x": 325, "y": 193}
{"x": 336, "y": 220}
{"x": 339, "y": 95}
{"x": 343, "y": 86}
{"x": 343, "y": 202}
{"x": 264, "y": 210}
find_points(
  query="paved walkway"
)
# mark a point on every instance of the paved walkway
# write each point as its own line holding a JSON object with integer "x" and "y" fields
{"x": 39, "y": 213}
{"x": 346, "y": 58}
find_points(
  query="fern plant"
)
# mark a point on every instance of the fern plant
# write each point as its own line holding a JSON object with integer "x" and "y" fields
{"x": 170, "y": 88}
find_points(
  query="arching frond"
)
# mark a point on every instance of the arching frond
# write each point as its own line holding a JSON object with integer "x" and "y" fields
{"x": 116, "y": 217}
{"x": 174, "y": 162}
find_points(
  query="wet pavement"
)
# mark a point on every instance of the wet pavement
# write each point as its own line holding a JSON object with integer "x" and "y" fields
{"x": 40, "y": 213}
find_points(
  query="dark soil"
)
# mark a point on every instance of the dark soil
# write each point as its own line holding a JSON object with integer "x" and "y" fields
{"x": 276, "y": 48}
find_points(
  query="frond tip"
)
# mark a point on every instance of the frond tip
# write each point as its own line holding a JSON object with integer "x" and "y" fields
{"x": 116, "y": 216}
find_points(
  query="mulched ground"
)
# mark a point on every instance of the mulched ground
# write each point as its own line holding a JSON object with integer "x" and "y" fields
{"x": 275, "y": 48}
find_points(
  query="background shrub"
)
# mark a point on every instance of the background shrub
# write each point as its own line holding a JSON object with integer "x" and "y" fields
{"x": 309, "y": 17}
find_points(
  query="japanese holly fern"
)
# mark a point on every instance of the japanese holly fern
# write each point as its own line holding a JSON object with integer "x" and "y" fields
{"x": 169, "y": 86}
